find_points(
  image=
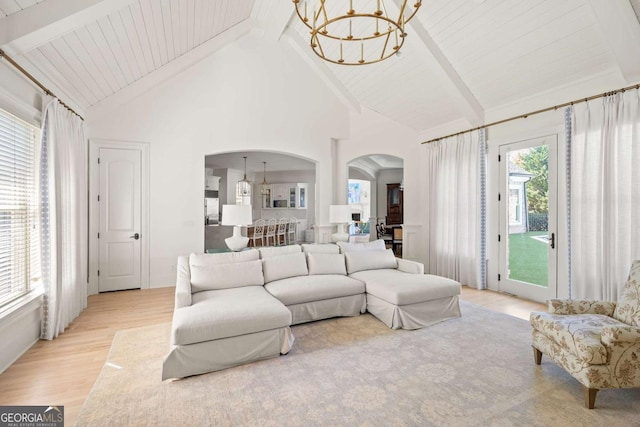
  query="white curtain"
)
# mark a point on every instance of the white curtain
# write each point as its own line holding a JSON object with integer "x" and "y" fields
{"x": 63, "y": 204}
{"x": 455, "y": 207}
{"x": 605, "y": 194}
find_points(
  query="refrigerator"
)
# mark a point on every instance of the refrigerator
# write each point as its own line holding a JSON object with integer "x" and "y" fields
{"x": 211, "y": 211}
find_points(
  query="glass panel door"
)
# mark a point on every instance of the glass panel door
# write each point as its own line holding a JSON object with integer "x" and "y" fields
{"x": 528, "y": 236}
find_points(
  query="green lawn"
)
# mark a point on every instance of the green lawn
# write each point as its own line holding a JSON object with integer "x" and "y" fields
{"x": 528, "y": 258}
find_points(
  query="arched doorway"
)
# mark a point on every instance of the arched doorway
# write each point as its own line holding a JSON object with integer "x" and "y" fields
{"x": 224, "y": 170}
{"x": 382, "y": 203}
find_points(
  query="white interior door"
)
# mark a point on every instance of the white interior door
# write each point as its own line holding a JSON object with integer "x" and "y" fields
{"x": 528, "y": 236}
{"x": 119, "y": 238}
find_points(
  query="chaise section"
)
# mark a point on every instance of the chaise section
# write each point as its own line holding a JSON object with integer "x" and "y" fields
{"x": 403, "y": 300}
{"x": 223, "y": 316}
{"x": 209, "y": 356}
{"x": 228, "y": 313}
{"x": 410, "y": 301}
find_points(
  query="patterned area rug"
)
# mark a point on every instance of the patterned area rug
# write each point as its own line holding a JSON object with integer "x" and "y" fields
{"x": 476, "y": 370}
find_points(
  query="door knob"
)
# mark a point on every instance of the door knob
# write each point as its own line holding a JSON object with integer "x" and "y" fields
{"x": 552, "y": 240}
{"x": 135, "y": 236}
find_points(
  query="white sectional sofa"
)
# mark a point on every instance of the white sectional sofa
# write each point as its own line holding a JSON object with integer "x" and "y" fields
{"x": 235, "y": 308}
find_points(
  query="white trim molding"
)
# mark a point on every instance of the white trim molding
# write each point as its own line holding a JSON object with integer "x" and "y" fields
{"x": 19, "y": 327}
{"x": 94, "y": 147}
{"x": 323, "y": 233}
{"x": 411, "y": 242}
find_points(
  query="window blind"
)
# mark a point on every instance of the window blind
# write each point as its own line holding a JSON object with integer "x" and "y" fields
{"x": 19, "y": 238}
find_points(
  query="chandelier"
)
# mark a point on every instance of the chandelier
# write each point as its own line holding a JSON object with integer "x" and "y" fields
{"x": 343, "y": 35}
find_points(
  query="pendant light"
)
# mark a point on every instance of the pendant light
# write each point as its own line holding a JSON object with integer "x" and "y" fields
{"x": 244, "y": 187}
{"x": 264, "y": 186}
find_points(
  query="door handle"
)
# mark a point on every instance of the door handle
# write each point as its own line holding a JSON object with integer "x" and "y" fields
{"x": 552, "y": 240}
{"x": 135, "y": 236}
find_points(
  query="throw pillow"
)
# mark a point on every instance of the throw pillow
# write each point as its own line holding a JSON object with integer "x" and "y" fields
{"x": 270, "y": 251}
{"x": 222, "y": 258}
{"x": 284, "y": 266}
{"x": 225, "y": 276}
{"x": 376, "y": 245}
{"x": 322, "y": 263}
{"x": 320, "y": 248}
{"x": 370, "y": 260}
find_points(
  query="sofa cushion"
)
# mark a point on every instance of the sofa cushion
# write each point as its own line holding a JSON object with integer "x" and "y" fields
{"x": 204, "y": 260}
{"x": 283, "y": 266}
{"x": 370, "y": 260}
{"x": 270, "y": 251}
{"x": 580, "y": 334}
{"x": 628, "y": 306}
{"x": 320, "y": 248}
{"x": 298, "y": 290}
{"x": 323, "y": 263}
{"x": 228, "y": 313}
{"x": 400, "y": 288}
{"x": 376, "y": 245}
{"x": 224, "y": 276}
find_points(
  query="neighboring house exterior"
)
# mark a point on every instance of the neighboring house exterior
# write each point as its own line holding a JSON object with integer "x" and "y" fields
{"x": 518, "y": 211}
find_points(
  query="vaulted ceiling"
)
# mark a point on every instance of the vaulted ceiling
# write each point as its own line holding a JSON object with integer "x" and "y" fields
{"x": 461, "y": 59}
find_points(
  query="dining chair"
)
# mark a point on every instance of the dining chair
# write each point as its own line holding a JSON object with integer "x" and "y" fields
{"x": 396, "y": 242}
{"x": 282, "y": 231}
{"x": 291, "y": 233}
{"x": 271, "y": 231}
{"x": 258, "y": 233}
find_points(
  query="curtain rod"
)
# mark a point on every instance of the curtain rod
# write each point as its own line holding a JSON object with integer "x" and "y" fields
{"x": 35, "y": 81}
{"x": 544, "y": 110}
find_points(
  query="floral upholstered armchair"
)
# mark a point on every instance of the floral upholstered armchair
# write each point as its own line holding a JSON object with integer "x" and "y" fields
{"x": 597, "y": 342}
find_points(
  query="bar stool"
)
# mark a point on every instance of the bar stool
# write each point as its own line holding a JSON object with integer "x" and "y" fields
{"x": 291, "y": 233}
{"x": 258, "y": 233}
{"x": 271, "y": 231}
{"x": 282, "y": 231}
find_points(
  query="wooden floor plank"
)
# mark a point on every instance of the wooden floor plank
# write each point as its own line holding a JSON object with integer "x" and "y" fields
{"x": 62, "y": 371}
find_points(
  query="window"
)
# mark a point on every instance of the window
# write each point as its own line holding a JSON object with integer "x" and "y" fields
{"x": 19, "y": 254}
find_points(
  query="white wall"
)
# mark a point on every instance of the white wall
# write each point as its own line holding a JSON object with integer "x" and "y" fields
{"x": 251, "y": 95}
{"x": 18, "y": 96}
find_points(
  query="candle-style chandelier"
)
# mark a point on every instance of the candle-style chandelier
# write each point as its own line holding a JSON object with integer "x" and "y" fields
{"x": 362, "y": 35}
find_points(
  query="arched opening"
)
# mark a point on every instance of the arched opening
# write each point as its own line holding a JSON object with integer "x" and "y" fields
{"x": 285, "y": 190}
{"x": 375, "y": 193}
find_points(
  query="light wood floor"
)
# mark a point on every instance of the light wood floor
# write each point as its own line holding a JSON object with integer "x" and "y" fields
{"x": 62, "y": 371}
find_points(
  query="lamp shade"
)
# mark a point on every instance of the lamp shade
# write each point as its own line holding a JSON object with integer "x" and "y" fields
{"x": 236, "y": 214}
{"x": 339, "y": 214}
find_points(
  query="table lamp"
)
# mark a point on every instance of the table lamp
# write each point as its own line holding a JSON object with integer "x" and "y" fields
{"x": 340, "y": 215}
{"x": 237, "y": 216}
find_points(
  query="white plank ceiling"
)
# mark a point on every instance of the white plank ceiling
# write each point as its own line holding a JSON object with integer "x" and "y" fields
{"x": 9, "y": 7}
{"x": 98, "y": 59}
{"x": 511, "y": 49}
{"x": 460, "y": 59}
